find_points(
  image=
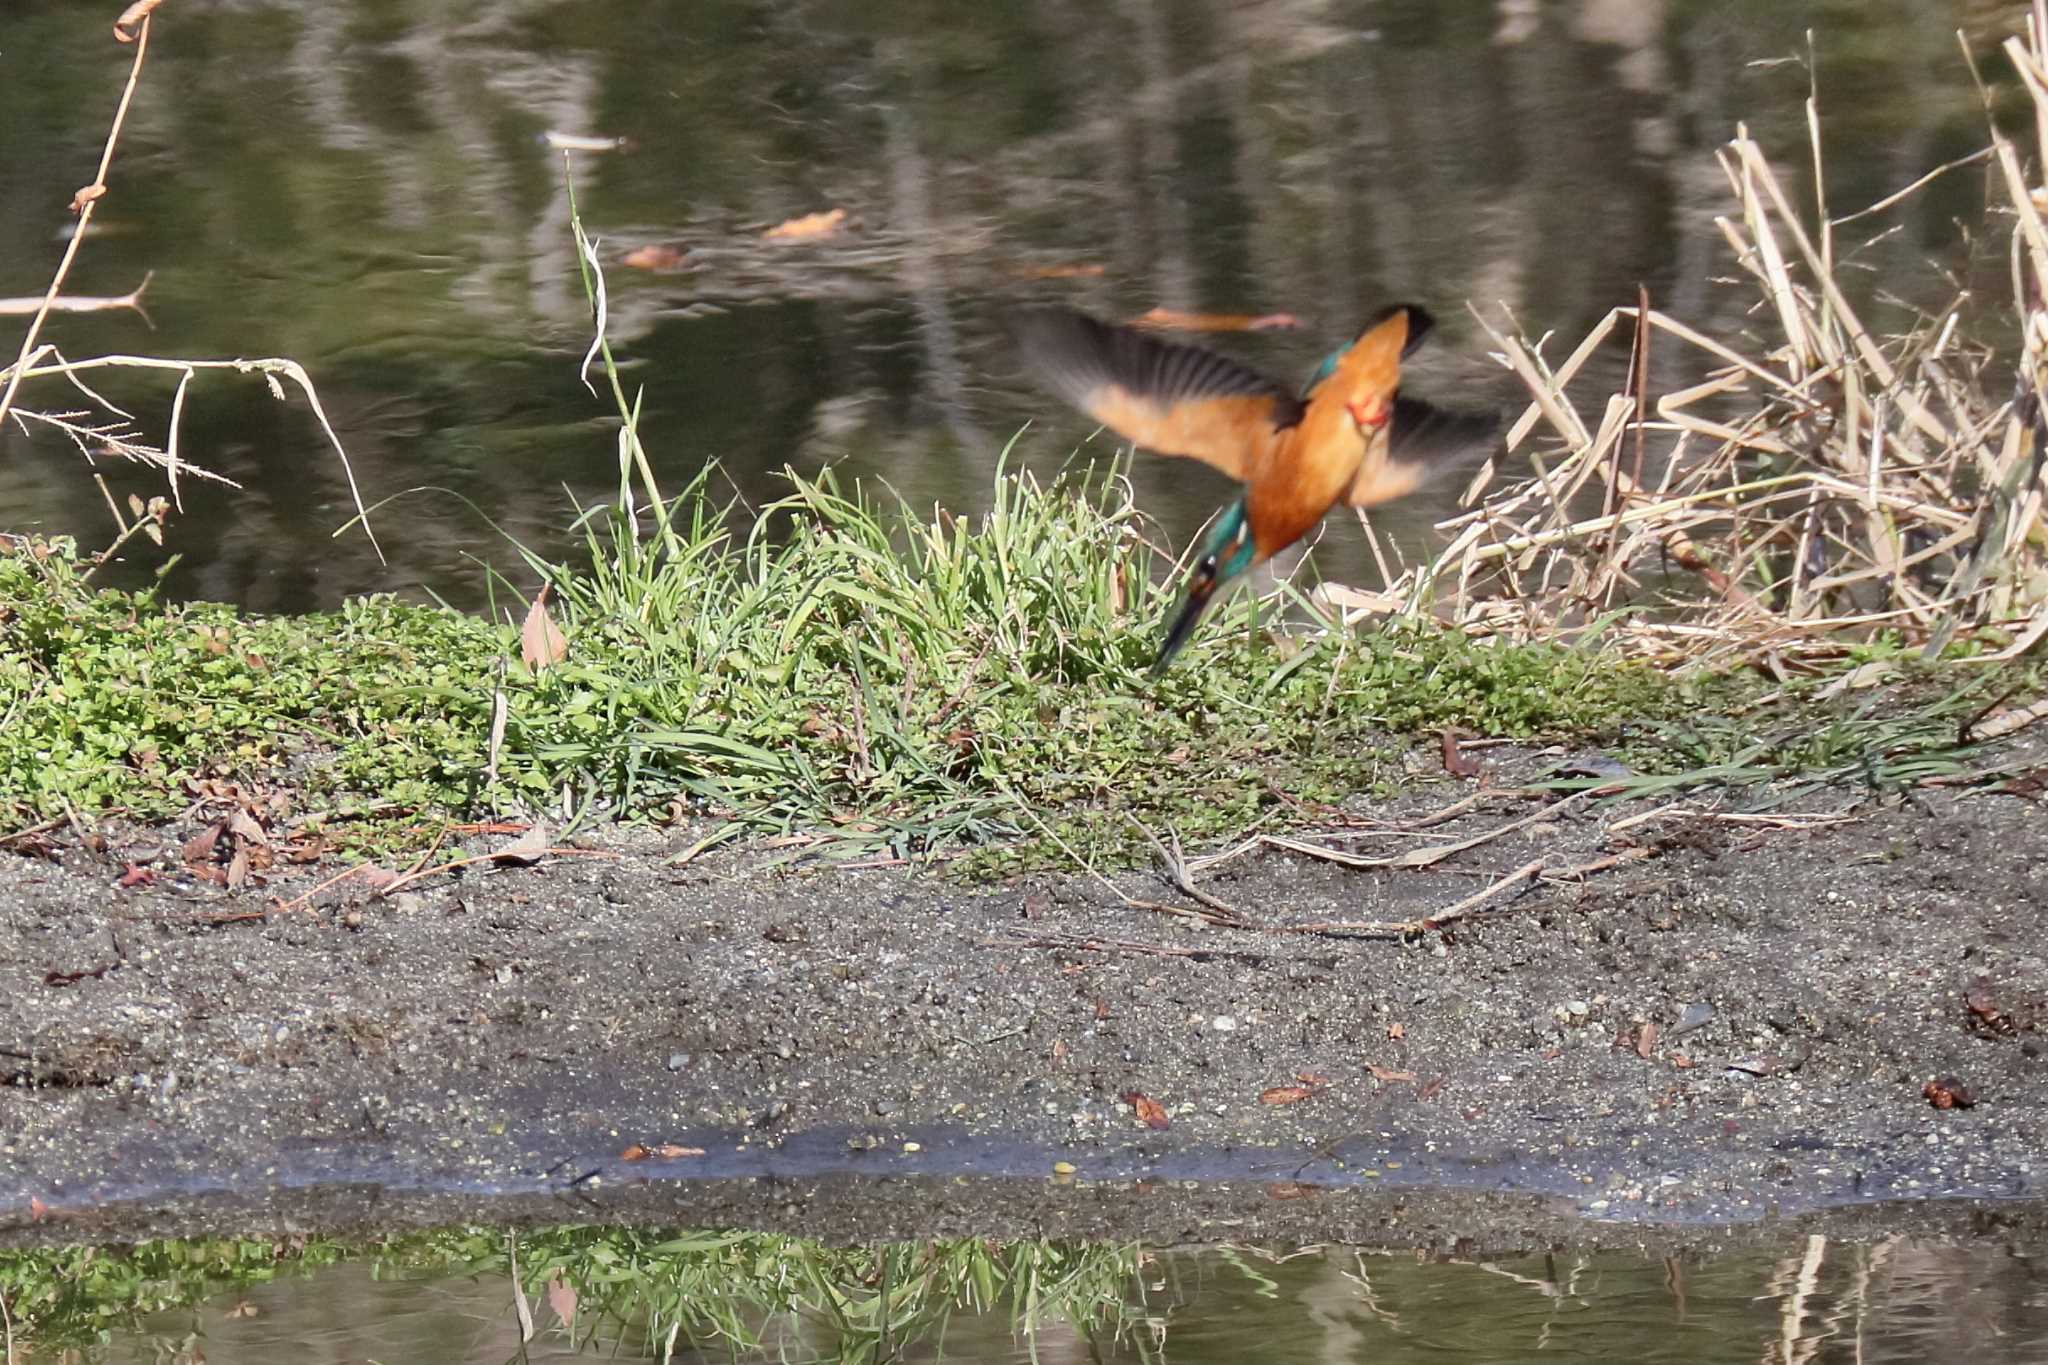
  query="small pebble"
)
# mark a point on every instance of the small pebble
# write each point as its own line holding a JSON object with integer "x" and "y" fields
{"x": 1223, "y": 1023}
{"x": 678, "y": 1060}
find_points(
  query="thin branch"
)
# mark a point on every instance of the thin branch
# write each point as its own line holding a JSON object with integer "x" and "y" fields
{"x": 85, "y": 201}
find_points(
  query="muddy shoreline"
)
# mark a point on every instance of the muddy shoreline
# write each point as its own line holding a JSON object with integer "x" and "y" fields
{"x": 1725, "y": 1025}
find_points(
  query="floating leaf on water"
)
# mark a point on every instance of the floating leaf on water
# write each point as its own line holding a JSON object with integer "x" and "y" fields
{"x": 1076, "y": 271}
{"x": 654, "y": 256}
{"x": 1170, "y": 319}
{"x": 585, "y": 142}
{"x": 807, "y": 227}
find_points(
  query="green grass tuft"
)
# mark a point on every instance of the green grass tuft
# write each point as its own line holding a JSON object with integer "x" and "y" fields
{"x": 914, "y": 683}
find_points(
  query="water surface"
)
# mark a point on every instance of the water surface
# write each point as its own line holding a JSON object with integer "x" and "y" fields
{"x": 364, "y": 186}
{"x": 1815, "y": 1301}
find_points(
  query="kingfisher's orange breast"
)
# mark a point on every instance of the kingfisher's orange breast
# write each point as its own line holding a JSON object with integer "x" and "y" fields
{"x": 1318, "y": 461}
{"x": 1303, "y": 478}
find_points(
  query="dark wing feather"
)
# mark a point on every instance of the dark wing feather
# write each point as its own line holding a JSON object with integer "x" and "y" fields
{"x": 1424, "y": 443}
{"x": 1166, "y": 396}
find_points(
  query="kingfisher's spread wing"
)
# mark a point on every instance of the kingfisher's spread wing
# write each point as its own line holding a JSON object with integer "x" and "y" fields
{"x": 1165, "y": 396}
{"x": 1422, "y": 442}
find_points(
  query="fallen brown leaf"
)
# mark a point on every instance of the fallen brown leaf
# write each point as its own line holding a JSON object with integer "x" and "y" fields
{"x": 2028, "y": 784}
{"x": 1397, "y": 1031}
{"x": 1288, "y": 1094}
{"x": 1646, "y": 1040}
{"x": 131, "y": 18}
{"x": 1457, "y": 762}
{"x": 665, "y": 1150}
{"x": 374, "y": 877}
{"x": 540, "y": 643}
{"x": 529, "y": 847}
{"x": 1998, "y": 1010}
{"x": 1149, "y": 1111}
{"x": 1291, "y": 1189}
{"x": 1946, "y": 1092}
{"x": 199, "y": 848}
{"x": 2005, "y": 722}
{"x": 1385, "y": 1075}
{"x": 562, "y": 1299}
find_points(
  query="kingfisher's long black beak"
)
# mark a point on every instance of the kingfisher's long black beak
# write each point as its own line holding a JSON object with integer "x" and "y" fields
{"x": 1201, "y": 587}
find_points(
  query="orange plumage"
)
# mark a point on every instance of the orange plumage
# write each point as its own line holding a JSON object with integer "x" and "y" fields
{"x": 1349, "y": 438}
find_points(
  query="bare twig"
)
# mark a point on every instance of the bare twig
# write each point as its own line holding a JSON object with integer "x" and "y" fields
{"x": 1831, "y": 483}
{"x": 1409, "y": 927}
{"x": 393, "y": 887}
{"x": 1177, "y": 869}
{"x": 78, "y": 303}
{"x": 1092, "y": 943}
{"x": 1421, "y": 857}
{"x": 85, "y": 200}
{"x": 32, "y": 831}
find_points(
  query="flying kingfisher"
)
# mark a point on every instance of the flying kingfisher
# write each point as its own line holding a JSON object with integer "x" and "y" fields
{"x": 1349, "y": 436}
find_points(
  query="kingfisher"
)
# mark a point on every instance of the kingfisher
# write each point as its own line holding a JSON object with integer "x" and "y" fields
{"x": 1349, "y": 436}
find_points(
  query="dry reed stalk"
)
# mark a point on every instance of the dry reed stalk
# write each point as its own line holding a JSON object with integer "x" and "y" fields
{"x": 1831, "y": 485}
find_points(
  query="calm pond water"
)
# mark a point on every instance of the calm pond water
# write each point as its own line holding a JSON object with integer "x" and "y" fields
{"x": 1815, "y": 1302}
{"x": 364, "y": 186}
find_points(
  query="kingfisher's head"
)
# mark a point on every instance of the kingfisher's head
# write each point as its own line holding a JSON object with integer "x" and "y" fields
{"x": 1366, "y": 375}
